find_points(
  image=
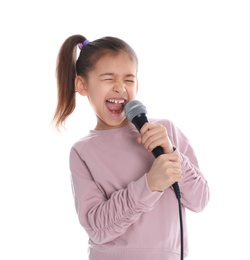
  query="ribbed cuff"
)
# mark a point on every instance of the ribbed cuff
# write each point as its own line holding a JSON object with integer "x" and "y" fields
{"x": 142, "y": 194}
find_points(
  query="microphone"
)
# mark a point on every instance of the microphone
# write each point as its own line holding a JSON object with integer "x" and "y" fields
{"x": 136, "y": 112}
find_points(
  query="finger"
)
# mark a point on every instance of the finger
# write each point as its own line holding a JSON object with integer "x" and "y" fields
{"x": 170, "y": 157}
{"x": 145, "y": 128}
{"x": 154, "y": 135}
{"x": 176, "y": 165}
{"x": 150, "y": 129}
{"x": 153, "y": 142}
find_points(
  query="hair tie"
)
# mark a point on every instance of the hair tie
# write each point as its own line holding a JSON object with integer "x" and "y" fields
{"x": 82, "y": 44}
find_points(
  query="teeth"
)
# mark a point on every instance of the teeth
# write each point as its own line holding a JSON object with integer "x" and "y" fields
{"x": 116, "y": 101}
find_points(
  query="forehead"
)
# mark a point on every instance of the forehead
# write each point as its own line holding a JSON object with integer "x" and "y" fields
{"x": 116, "y": 61}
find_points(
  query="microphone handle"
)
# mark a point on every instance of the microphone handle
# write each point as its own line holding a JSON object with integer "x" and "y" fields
{"x": 139, "y": 121}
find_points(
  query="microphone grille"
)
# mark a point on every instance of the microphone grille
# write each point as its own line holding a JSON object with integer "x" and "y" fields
{"x": 133, "y": 109}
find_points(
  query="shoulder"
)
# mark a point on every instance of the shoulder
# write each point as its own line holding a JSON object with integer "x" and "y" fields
{"x": 166, "y": 122}
{"x": 82, "y": 143}
{"x": 174, "y": 132}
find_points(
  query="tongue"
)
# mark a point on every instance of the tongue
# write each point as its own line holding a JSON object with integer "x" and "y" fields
{"x": 114, "y": 106}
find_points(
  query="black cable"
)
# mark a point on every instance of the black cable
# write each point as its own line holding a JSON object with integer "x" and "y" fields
{"x": 178, "y": 196}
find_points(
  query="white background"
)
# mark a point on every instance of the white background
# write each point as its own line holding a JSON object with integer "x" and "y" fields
{"x": 194, "y": 69}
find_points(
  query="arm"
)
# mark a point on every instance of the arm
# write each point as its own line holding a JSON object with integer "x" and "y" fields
{"x": 178, "y": 164}
{"x": 105, "y": 219}
{"x": 194, "y": 188}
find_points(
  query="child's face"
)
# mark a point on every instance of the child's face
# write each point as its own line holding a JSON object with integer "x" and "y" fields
{"x": 111, "y": 85}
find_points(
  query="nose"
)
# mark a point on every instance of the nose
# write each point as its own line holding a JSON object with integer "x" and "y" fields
{"x": 119, "y": 87}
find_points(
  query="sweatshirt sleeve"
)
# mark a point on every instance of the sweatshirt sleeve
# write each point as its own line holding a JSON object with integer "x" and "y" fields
{"x": 105, "y": 219}
{"x": 193, "y": 187}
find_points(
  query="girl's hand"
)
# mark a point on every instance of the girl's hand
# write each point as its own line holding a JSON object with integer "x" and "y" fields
{"x": 153, "y": 135}
{"x": 165, "y": 171}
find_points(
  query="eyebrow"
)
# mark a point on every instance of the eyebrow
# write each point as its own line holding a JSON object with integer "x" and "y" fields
{"x": 112, "y": 74}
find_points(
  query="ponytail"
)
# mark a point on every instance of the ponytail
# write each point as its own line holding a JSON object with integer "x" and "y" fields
{"x": 65, "y": 75}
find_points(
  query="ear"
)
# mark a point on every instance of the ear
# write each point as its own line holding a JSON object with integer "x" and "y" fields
{"x": 81, "y": 86}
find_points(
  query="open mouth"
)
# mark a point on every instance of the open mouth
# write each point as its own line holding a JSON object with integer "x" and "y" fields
{"x": 116, "y": 106}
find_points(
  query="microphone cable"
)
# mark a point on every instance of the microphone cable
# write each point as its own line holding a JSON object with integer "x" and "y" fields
{"x": 178, "y": 196}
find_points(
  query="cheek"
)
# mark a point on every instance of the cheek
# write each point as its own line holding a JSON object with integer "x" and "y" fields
{"x": 133, "y": 91}
{"x": 96, "y": 99}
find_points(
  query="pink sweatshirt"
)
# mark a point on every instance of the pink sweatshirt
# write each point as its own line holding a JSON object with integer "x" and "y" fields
{"x": 122, "y": 217}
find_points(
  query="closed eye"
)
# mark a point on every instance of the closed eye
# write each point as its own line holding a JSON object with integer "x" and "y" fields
{"x": 130, "y": 78}
{"x": 130, "y": 81}
{"x": 107, "y": 79}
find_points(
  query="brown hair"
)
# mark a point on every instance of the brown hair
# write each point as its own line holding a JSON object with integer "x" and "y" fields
{"x": 68, "y": 67}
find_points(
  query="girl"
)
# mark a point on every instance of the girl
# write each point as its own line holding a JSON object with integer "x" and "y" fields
{"x": 123, "y": 196}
